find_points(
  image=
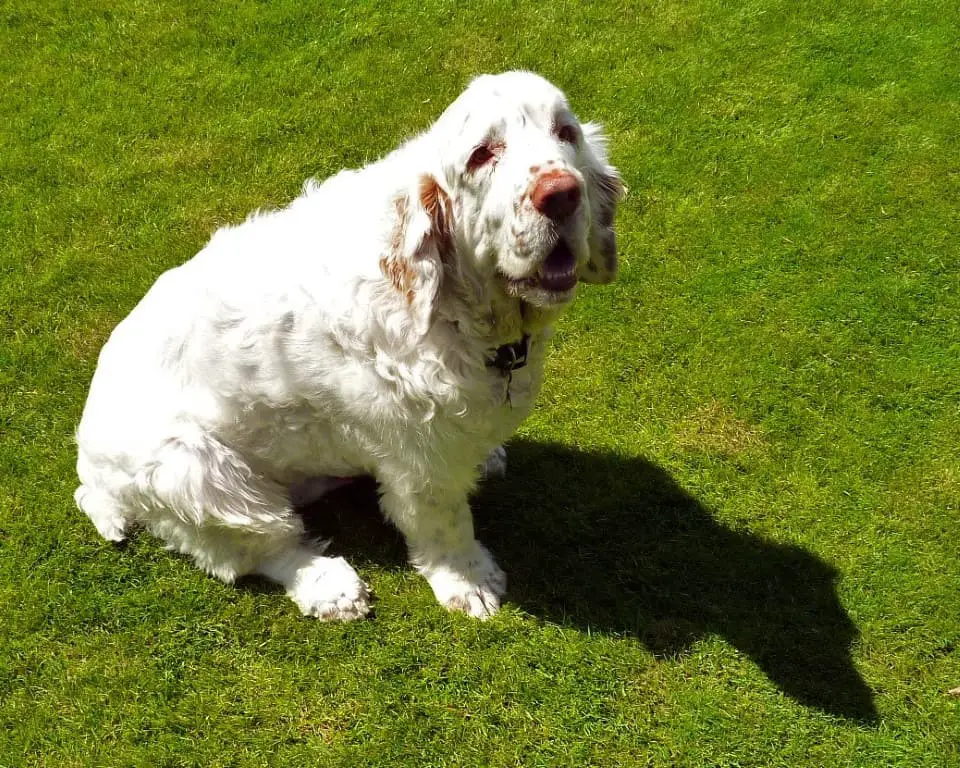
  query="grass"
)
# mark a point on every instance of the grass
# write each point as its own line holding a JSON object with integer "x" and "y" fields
{"x": 731, "y": 525}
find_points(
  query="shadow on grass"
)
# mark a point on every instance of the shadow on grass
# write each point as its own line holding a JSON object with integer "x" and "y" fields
{"x": 613, "y": 544}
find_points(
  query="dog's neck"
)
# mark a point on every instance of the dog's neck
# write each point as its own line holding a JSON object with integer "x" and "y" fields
{"x": 489, "y": 318}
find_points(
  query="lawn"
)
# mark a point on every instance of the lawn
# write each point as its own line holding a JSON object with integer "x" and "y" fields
{"x": 731, "y": 527}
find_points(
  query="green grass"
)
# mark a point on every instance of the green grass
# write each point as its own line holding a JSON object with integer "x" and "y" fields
{"x": 732, "y": 524}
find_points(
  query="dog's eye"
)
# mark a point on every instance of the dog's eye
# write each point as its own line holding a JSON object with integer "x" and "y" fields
{"x": 480, "y": 156}
{"x": 567, "y": 133}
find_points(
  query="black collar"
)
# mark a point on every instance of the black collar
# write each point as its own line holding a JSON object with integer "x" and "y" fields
{"x": 510, "y": 357}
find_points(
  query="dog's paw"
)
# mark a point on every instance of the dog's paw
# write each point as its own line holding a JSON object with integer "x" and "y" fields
{"x": 496, "y": 463}
{"x": 331, "y": 590}
{"x": 474, "y": 586}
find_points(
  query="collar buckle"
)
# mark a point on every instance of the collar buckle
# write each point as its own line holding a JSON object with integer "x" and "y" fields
{"x": 510, "y": 357}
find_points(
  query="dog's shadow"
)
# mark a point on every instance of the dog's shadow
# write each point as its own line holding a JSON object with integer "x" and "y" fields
{"x": 613, "y": 544}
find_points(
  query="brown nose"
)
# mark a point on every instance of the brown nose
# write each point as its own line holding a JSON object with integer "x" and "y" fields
{"x": 556, "y": 195}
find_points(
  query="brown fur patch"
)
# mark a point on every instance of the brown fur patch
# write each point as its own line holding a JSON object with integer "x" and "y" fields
{"x": 396, "y": 243}
{"x": 432, "y": 198}
{"x": 398, "y": 272}
{"x": 436, "y": 203}
{"x": 394, "y": 267}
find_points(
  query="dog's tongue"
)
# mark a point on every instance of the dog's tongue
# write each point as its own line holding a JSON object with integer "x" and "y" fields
{"x": 559, "y": 269}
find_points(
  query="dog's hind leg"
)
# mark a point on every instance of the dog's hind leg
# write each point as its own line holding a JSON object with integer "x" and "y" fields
{"x": 100, "y": 496}
{"x": 212, "y": 505}
{"x": 205, "y": 500}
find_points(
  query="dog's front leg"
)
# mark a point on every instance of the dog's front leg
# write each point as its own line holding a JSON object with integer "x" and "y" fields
{"x": 438, "y": 527}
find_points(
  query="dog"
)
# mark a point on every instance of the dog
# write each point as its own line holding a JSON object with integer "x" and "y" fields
{"x": 391, "y": 321}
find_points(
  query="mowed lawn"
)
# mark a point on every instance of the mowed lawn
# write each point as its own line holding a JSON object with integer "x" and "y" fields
{"x": 732, "y": 526}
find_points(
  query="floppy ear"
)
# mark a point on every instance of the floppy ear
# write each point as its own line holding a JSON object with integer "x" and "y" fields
{"x": 604, "y": 190}
{"x": 421, "y": 244}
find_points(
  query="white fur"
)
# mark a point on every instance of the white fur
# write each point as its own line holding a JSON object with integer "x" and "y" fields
{"x": 349, "y": 334}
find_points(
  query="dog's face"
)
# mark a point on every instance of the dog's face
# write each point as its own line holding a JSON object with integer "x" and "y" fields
{"x": 509, "y": 193}
{"x": 531, "y": 193}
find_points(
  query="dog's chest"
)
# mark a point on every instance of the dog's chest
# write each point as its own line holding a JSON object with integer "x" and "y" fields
{"x": 363, "y": 415}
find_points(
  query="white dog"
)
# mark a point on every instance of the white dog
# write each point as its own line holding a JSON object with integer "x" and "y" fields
{"x": 392, "y": 322}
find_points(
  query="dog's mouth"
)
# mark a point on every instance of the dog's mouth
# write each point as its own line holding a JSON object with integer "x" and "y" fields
{"x": 557, "y": 273}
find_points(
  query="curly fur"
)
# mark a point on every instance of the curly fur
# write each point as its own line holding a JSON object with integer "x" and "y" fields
{"x": 349, "y": 334}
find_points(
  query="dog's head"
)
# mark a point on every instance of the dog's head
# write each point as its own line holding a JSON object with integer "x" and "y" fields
{"x": 519, "y": 195}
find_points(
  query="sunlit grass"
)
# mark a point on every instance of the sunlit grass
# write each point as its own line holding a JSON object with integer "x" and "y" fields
{"x": 731, "y": 525}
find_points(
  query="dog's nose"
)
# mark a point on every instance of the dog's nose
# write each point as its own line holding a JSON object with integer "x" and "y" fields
{"x": 556, "y": 195}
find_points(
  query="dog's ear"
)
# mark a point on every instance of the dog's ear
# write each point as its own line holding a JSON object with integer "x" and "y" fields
{"x": 604, "y": 190}
{"x": 421, "y": 245}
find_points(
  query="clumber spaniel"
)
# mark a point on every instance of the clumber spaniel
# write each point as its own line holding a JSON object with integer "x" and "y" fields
{"x": 392, "y": 321}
